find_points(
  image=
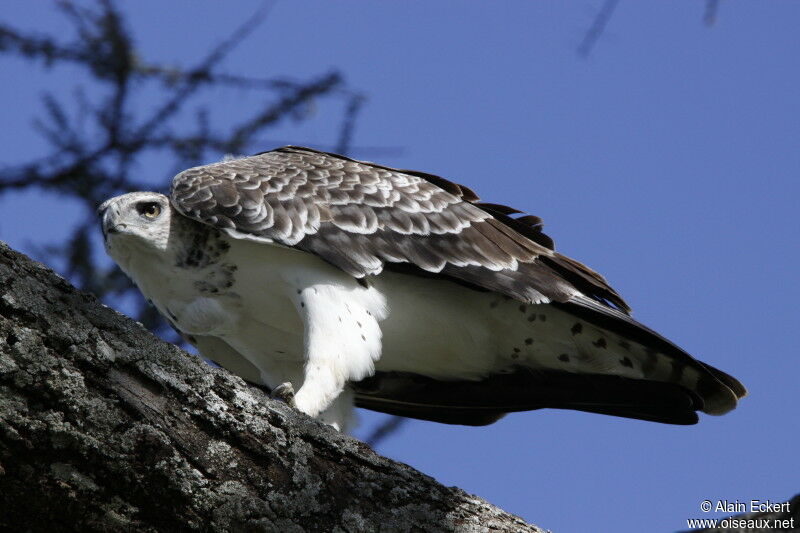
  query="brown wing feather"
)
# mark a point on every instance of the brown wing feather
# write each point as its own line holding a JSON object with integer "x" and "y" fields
{"x": 360, "y": 216}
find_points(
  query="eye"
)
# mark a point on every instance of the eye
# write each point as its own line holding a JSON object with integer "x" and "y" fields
{"x": 148, "y": 209}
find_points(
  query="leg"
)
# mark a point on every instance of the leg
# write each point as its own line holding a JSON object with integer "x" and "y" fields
{"x": 341, "y": 413}
{"x": 342, "y": 341}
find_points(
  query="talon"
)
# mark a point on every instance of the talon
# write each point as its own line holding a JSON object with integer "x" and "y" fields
{"x": 283, "y": 392}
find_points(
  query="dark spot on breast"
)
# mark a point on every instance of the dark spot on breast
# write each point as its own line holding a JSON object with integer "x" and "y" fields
{"x": 205, "y": 287}
{"x": 522, "y": 308}
{"x": 600, "y": 343}
{"x": 363, "y": 282}
{"x": 514, "y": 356}
{"x": 299, "y": 291}
{"x": 563, "y": 357}
{"x": 529, "y": 341}
{"x": 369, "y": 313}
{"x": 316, "y": 291}
{"x": 577, "y": 328}
{"x": 359, "y": 323}
{"x": 625, "y": 345}
{"x": 202, "y": 246}
{"x": 543, "y": 318}
{"x": 340, "y": 319}
{"x": 532, "y": 317}
{"x": 626, "y": 361}
{"x": 363, "y": 338}
{"x": 279, "y": 351}
{"x": 516, "y": 350}
{"x": 192, "y": 339}
{"x": 302, "y": 304}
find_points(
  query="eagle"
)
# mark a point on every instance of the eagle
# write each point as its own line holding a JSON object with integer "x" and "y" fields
{"x": 339, "y": 283}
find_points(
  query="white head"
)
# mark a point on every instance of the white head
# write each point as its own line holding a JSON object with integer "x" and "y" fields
{"x": 135, "y": 222}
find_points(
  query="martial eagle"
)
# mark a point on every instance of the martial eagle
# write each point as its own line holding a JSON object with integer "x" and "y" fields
{"x": 393, "y": 290}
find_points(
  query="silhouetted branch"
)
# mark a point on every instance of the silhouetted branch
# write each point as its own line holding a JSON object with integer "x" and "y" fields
{"x": 597, "y": 28}
{"x": 710, "y": 14}
{"x": 349, "y": 123}
{"x": 384, "y": 430}
{"x": 241, "y": 134}
{"x": 194, "y": 78}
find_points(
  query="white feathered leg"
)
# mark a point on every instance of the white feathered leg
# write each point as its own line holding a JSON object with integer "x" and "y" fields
{"x": 342, "y": 341}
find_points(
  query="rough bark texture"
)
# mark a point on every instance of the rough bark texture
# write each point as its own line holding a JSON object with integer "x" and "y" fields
{"x": 103, "y": 427}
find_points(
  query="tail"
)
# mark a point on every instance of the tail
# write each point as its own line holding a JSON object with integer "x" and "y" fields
{"x": 478, "y": 403}
{"x": 633, "y": 373}
{"x": 661, "y": 360}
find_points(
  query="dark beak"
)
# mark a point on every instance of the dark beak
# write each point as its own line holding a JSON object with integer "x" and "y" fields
{"x": 105, "y": 222}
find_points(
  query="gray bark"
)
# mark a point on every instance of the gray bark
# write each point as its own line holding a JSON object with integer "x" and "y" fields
{"x": 103, "y": 427}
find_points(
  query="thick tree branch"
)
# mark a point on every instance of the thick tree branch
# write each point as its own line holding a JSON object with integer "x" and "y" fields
{"x": 103, "y": 427}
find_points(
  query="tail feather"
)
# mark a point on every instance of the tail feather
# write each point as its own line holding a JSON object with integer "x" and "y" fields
{"x": 485, "y": 401}
{"x": 664, "y": 361}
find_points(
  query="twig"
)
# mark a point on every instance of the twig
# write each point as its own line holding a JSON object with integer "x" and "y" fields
{"x": 710, "y": 14}
{"x": 383, "y": 430}
{"x": 349, "y": 124}
{"x": 597, "y": 28}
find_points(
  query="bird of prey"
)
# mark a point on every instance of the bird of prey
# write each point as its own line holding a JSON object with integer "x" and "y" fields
{"x": 394, "y": 290}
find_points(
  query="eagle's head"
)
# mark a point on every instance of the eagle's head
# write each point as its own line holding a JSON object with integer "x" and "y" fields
{"x": 137, "y": 221}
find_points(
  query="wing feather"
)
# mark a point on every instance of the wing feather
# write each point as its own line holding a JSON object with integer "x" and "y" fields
{"x": 360, "y": 216}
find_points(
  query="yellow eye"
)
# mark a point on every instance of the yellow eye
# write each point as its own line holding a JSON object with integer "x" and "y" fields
{"x": 149, "y": 209}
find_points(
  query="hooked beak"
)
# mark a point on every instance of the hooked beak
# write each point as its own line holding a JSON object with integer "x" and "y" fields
{"x": 106, "y": 214}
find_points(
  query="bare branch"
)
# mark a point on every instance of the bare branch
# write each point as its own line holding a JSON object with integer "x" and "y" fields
{"x": 388, "y": 427}
{"x": 597, "y": 28}
{"x": 200, "y": 74}
{"x": 240, "y": 136}
{"x": 349, "y": 124}
{"x": 710, "y": 13}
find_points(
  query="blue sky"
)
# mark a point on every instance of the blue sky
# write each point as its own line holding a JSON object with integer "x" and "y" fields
{"x": 668, "y": 160}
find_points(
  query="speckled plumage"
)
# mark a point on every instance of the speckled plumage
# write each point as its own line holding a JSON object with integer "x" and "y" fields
{"x": 398, "y": 290}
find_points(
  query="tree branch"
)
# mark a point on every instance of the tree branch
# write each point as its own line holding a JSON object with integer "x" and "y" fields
{"x": 597, "y": 28}
{"x": 103, "y": 427}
